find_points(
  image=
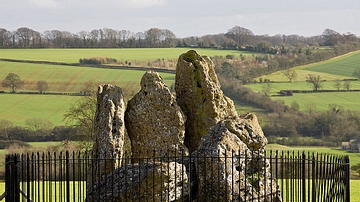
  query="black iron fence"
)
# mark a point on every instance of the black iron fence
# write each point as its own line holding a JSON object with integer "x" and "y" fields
{"x": 72, "y": 176}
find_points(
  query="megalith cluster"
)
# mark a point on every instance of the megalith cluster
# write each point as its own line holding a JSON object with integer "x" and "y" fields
{"x": 192, "y": 146}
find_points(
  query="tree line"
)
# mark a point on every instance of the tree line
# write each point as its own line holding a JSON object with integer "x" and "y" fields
{"x": 237, "y": 38}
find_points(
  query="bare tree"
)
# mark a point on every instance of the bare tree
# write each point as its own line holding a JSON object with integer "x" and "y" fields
{"x": 24, "y": 35}
{"x": 331, "y": 37}
{"x": 35, "y": 124}
{"x": 315, "y": 81}
{"x": 42, "y": 86}
{"x": 310, "y": 107}
{"x": 347, "y": 85}
{"x": 81, "y": 113}
{"x": 241, "y": 35}
{"x": 337, "y": 85}
{"x": 357, "y": 73}
{"x": 290, "y": 74}
{"x": 4, "y": 127}
{"x": 153, "y": 37}
{"x": 13, "y": 81}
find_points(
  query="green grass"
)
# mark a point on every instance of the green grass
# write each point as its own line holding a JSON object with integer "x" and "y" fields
{"x": 17, "y": 108}
{"x": 338, "y": 68}
{"x": 72, "y": 78}
{"x": 343, "y": 65}
{"x": 354, "y": 190}
{"x": 354, "y": 157}
{"x": 129, "y": 54}
{"x": 276, "y": 87}
{"x": 348, "y": 100}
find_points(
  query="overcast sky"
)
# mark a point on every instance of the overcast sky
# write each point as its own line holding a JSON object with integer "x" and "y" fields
{"x": 184, "y": 17}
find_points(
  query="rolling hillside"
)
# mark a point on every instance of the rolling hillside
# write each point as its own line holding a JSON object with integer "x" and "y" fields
{"x": 337, "y": 69}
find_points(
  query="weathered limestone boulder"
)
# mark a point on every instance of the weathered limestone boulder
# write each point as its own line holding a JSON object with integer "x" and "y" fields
{"x": 199, "y": 95}
{"x": 154, "y": 120}
{"x": 248, "y": 129}
{"x": 145, "y": 182}
{"x": 109, "y": 132}
{"x": 238, "y": 173}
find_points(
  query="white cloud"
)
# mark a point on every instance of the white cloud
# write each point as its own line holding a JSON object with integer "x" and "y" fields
{"x": 44, "y": 3}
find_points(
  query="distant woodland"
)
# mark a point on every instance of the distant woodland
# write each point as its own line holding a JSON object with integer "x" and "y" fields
{"x": 235, "y": 38}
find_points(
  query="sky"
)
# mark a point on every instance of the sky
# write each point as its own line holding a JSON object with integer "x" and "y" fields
{"x": 184, "y": 17}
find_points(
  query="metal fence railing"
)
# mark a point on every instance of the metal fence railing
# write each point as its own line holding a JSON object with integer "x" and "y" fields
{"x": 72, "y": 176}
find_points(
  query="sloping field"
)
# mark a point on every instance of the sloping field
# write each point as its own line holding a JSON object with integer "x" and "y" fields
{"x": 338, "y": 68}
{"x": 350, "y": 101}
{"x": 343, "y": 65}
{"x": 72, "y": 78}
{"x": 73, "y": 55}
{"x": 302, "y": 85}
{"x": 19, "y": 107}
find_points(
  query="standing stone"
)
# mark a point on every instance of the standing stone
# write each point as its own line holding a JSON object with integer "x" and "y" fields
{"x": 109, "y": 132}
{"x": 154, "y": 120}
{"x": 229, "y": 171}
{"x": 199, "y": 95}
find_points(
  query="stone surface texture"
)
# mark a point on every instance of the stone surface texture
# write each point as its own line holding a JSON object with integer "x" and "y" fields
{"x": 199, "y": 95}
{"x": 143, "y": 182}
{"x": 109, "y": 131}
{"x": 248, "y": 129}
{"x": 239, "y": 173}
{"x": 154, "y": 120}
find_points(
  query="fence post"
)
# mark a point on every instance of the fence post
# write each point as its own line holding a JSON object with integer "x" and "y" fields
{"x": 303, "y": 173}
{"x": 347, "y": 178}
{"x": 313, "y": 187}
{"x": 67, "y": 173}
{"x": 12, "y": 181}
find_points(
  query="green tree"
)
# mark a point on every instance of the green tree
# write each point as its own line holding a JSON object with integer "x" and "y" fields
{"x": 315, "y": 81}
{"x": 290, "y": 74}
{"x": 12, "y": 81}
{"x": 42, "y": 86}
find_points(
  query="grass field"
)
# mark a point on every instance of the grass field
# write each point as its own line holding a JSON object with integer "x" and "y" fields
{"x": 349, "y": 100}
{"x": 129, "y": 54}
{"x": 354, "y": 157}
{"x": 334, "y": 69}
{"x": 338, "y": 68}
{"x": 72, "y": 78}
{"x": 17, "y": 108}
